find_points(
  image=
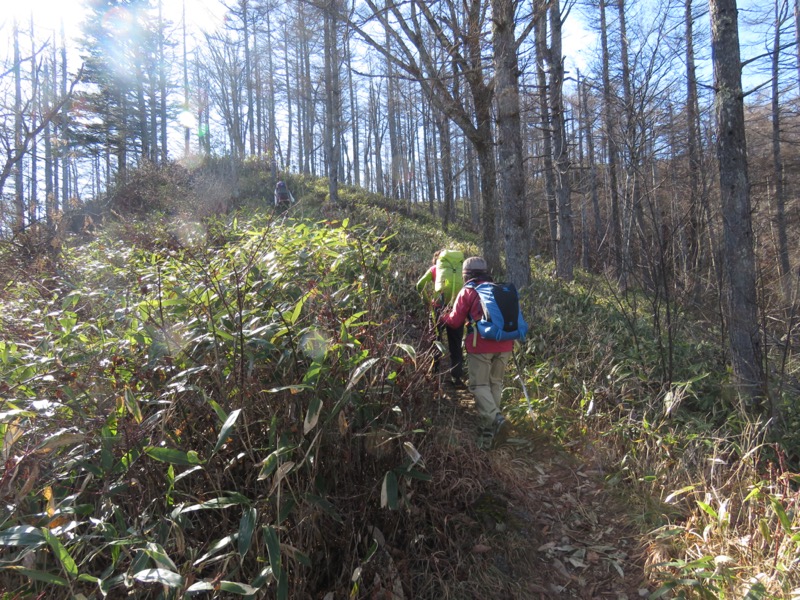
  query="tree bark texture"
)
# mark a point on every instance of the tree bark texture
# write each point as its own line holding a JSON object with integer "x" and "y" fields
{"x": 509, "y": 144}
{"x": 739, "y": 243}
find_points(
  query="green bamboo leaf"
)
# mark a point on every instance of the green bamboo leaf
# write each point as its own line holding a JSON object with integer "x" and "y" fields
{"x": 413, "y": 453}
{"x": 132, "y": 404}
{"x": 201, "y": 586}
{"x": 37, "y": 575}
{"x": 221, "y": 415}
{"x": 12, "y": 415}
{"x": 237, "y": 588}
{"x": 215, "y": 549}
{"x": 162, "y": 576}
{"x": 159, "y": 555}
{"x": 269, "y": 464}
{"x": 290, "y": 388}
{"x": 221, "y": 333}
{"x": 359, "y": 372}
{"x": 59, "y": 440}
{"x": 231, "y": 499}
{"x": 312, "y": 416}
{"x": 274, "y": 551}
{"x": 21, "y": 535}
{"x": 172, "y": 456}
{"x": 414, "y": 474}
{"x": 389, "y": 491}
{"x": 61, "y": 553}
{"x": 408, "y": 349}
{"x": 281, "y": 473}
{"x": 662, "y": 591}
{"x": 226, "y": 429}
{"x": 707, "y": 508}
{"x": 763, "y": 527}
{"x": 247, "y": 526}
{"x": 298, "y": 308}
{"x": 782, "y": 516}
{"x": 680, "y": 492}
{"x": 263, "y": 576}
{"x": 328, "y": 508}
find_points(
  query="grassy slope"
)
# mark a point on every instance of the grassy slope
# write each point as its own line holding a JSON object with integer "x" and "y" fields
{"x": 252, "y": 404}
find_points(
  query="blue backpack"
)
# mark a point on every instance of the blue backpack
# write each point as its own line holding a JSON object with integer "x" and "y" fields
{"x": 502, "y": 318}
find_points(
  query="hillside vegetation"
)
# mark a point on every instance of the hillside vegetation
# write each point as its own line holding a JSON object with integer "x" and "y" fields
{"x": 245, "y": 406}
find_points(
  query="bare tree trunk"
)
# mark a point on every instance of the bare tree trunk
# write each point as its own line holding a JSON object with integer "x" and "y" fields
{"x": 597, "y": 222}
{"x": 378, "y": 136}
{"x": 797, "y": 35}
{"x": 781, "y": 14}
{"x": 354, "y": 116}
{"x": 332, "y": 101}
{"x": 445, "y": 157}
{"x": 428, "y": 143}
{"x": 473, "y": 187}
{"x": 289, "y": 98}
{"x": 272, "y": 134}
{"x": 36, "y": 102}
{"x": 248, "y": 75}
{"x": 162, "y": 84}
{"x": 19, "y": 191}
{"x": 64, "y": 159}
{"x": 696, "y": 258}
{"x": 49, "y": 95}
{"x": 632, "y": 199}
{"x": 187, "y": 132}
{"x": 542, "y": 59}
{"x": 509, "y": 144}
{"x": 55, "y": 132}
{"x": 611, "y": 144}
{"x": 739, "y": 243}
{"x": 566, "y": 238}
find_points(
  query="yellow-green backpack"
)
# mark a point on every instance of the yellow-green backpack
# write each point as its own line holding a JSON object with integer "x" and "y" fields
{"x": 448, "y": 274}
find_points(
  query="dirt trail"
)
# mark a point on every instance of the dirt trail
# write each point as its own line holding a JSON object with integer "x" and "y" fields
{"x": 532, "y": 520}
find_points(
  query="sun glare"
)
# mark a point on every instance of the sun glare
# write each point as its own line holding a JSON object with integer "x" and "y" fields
{"x": 47, "y": 14}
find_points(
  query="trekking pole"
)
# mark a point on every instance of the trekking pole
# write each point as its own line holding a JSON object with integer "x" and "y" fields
{"x": 524, "y": 389}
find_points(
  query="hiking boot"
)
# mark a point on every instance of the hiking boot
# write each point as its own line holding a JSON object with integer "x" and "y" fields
{"x": 501, "y": 430}
{"x": 485, "y": 438}
{"x": 458, "y": 383}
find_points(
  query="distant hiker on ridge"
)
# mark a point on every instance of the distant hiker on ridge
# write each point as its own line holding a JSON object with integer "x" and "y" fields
{"x": 283, "y": 197}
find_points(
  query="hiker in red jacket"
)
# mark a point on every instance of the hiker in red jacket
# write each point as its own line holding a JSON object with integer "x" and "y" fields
{"x": 486, "y": 359}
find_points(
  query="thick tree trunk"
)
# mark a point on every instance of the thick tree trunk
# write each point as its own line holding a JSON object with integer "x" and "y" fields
{"x": 509, "y": 144}
{"x": 739, "y": 244}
